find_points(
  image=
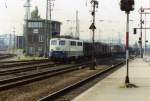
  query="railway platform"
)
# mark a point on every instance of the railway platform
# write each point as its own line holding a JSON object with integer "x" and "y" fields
{"x": 112, "y": 87}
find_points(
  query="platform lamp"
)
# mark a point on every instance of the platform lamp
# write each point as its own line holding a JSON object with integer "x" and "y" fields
{"x": 127, "y": 6}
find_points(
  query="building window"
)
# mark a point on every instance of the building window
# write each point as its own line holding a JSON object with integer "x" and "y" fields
{"x": 40, "y": 25}
{"x": 30, "y": 38}
{"x": 35, "y": 31}
{"x": 55, "y": 26}
{"x": 72, "y": 43}
{"x": 35, "y": 24}
{"x": 41, "y": 38}
{"x": 40, "y": 49}
{"x": 35, "y": 38}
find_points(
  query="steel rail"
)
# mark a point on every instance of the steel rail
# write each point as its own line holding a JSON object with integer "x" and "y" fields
{"x": 24, "y": 69}
{"x": 21, "y": 63}
{"x": 4, "y": 56}
{"x": 65, "y": 90}
{"x": 15, "y": 61}
{"x": 22, "y": 80}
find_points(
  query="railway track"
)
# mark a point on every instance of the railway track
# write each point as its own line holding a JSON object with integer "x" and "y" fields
{"x": 40, "y": 83}
{"x": 4, "y": 56}
{"x": 8, "y": 64}
{"x": 16, "y": 61}
{"x": 55, "y": 95}
{"x": 22, "y": 80}
{"x": 25, "y": 68}
{"x": 60, "y": 94}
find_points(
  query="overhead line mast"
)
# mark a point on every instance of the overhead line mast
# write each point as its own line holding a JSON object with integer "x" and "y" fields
{"x": 5, "y": 4}
{"x": 77, "y": 26}
{"x": 48, "y": 34}
{"x": 27, "y": 6}
{"x": 26, "y": 18}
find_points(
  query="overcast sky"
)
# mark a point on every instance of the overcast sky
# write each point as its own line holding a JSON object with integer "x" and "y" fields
{"x": 112, "y": 26}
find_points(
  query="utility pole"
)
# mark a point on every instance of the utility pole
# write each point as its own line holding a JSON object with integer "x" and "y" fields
{"x": 92, "y": 27}
{"x": 127, "y": 6}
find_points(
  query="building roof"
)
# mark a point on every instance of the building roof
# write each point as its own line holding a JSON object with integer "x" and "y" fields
{"x": 40, "y": 19}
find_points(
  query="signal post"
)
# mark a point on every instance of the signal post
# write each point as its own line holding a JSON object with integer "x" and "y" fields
{"x": 92, "y": 27}
{"x": 127, "y": 6}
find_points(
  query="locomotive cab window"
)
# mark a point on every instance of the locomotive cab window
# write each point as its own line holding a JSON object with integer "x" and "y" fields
{"x": 79, "y": 43}
{"x": 54, "y": 42}
{"x": 62, "y": 42}
{"x": 72, "y": 43}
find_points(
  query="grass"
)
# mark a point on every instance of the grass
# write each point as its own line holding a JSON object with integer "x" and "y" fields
{"x": 21, "y": 56}
{"x": 29, "y": 58}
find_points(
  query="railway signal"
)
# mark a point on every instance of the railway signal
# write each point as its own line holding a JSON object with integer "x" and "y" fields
{"x": 134, "y": 30}
{"x": 140, "y": 41}
{"x": 92, "y": 27}
{"x": 127, "y": 6}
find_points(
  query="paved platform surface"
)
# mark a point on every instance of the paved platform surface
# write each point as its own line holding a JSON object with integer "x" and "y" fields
{"x": 111, "y": 88}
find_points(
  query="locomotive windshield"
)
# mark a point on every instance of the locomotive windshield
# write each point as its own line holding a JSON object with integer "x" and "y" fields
{"x": 62, "y": 42}
{"x": 54, "y": 42}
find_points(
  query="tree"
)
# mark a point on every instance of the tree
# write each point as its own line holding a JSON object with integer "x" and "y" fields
{"x": 35, "y": 13}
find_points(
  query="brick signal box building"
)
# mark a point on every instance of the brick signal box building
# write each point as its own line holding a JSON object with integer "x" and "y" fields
{"x": 35, "y": 32}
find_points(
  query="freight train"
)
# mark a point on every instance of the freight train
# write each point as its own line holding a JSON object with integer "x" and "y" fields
{"x": 72, "y": 49}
